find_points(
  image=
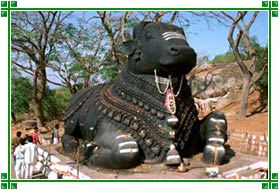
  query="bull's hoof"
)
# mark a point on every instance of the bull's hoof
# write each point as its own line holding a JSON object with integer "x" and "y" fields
{"x": 119, "y": 152}
{"x": 172, "y": 157}
{"x": 104, "y": 158}
{"x": 214, "y": 153}
{"x": 87, "y": 149}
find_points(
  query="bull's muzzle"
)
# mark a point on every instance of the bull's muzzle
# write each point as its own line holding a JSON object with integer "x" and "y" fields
{"x": 175, "y": 50}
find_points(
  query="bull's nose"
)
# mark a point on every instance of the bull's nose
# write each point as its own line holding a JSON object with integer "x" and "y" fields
{"x": 181, "y": 50}
{"x": 173, "y": 50}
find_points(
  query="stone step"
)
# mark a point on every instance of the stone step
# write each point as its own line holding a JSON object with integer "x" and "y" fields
{"x": 38, "y": 175}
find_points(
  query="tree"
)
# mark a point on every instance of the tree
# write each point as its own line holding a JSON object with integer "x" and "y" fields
{"x": 55, "y": 102}
{"x": 87, "y": 51}
{"x": 88, "y": 47}
{"x": 114, "y": 26}
{"x": 250, "y": 74}
{"x": 33, "y": 35}
{"x": 78, "y": 55}
{"x": 243, "y": 47}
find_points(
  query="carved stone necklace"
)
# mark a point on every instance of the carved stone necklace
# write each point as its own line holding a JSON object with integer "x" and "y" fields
{"x": 167, "y": 82}
{"x": 170, "y": 102}
{"x": 173, "y": 156}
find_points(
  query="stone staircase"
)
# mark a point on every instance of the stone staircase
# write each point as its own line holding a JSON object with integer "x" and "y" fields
{"x": 38, "y": 175}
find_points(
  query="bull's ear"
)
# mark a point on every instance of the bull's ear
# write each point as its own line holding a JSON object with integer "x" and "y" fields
{"x": 138, "y": 29}
{"x": 128, "y": 47}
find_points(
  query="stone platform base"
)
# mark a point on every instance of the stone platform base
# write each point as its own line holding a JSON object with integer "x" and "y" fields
{"x": 236, "y": 166}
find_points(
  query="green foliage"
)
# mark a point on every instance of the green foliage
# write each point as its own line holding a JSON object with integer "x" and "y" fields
{"x": 70, "y": 30}
{"x": 21, "y": 94}
{"x": 131, "y": 25}
{"x": 228, "y": 57}
{"x": 243, "y": 48}
{"x": 109, "y": 72}
{"x": 80, "y": 53}
{"x": 55, "y": 102}
{"x": 75, "y": 54}
{"x": 52, "y": 56}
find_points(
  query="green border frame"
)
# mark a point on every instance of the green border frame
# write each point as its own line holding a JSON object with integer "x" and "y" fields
{"x": 270, "y": 6}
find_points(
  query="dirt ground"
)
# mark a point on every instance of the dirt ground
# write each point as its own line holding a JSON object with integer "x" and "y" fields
{"x": 256, "y": 124}
{"x": 256, "y": 121}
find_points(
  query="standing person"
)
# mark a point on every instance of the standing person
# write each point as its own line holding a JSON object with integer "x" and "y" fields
{"x": 35, "y": 136}
{"x": 19, "y": 162}
{"x": 15, "y": 140}
{"x": 30, "y": 157}
{"x": 55, "y": 134}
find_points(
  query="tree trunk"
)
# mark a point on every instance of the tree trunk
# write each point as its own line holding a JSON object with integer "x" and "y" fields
{"x": 249, "y": 74}
{"x": 13, "y": 115}
{"x": 38, "y": 93}
{"x": 106, "y": 21}
{"x": 39, "y": 114}
{"x": 244, "y": 98}
{"x": 86, "y": 82}
{"x": 70, "y": 88}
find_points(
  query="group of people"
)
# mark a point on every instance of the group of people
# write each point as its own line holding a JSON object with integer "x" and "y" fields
{"x": 25, "y": 152}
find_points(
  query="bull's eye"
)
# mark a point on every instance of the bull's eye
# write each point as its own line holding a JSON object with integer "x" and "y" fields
{"x": 148, "y": 35}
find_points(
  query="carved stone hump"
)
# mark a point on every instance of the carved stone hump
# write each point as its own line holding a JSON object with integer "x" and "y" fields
{"x": 162, "y": 47}
{"x": 76, "y": 101}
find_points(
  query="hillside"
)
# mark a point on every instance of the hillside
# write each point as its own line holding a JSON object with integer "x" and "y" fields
{"x": 220, "y": 86}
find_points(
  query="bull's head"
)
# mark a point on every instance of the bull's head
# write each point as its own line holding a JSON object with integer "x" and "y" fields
{"x": 159, "y": 46}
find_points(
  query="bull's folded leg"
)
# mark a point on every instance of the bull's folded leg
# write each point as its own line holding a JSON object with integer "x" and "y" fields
{"x": 214, "y": 133}
{"x": 115, "y": 151}
{"x": 69, "y": 143}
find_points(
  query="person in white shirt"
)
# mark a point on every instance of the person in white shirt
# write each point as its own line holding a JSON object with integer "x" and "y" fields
{"x": 30, "y": 157}
{"x": 19, "y": 162}
{"x": 55, "y": 135}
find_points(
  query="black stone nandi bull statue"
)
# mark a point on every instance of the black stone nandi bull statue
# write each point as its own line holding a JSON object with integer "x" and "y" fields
{"x": 148, "y": 114}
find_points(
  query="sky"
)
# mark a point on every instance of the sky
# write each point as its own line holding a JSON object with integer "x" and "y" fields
{"x": 212, "y": 40}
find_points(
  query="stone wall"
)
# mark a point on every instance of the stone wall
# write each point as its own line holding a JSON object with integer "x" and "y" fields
{"x": 256, "y": 170}
{"x": 208, "y": 80}
{"x": 55, "y": 168}
{"x": 247, "y": 142}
